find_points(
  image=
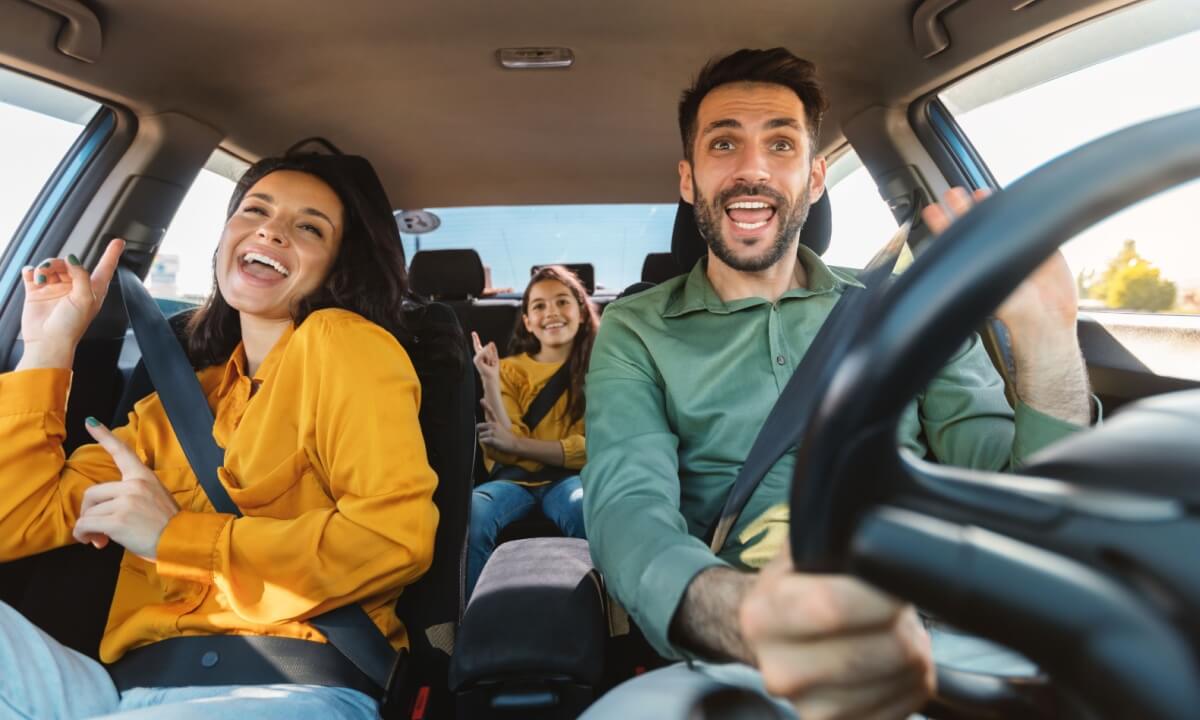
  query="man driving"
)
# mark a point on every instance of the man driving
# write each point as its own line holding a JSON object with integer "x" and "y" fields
{"x": 683, "y": 375}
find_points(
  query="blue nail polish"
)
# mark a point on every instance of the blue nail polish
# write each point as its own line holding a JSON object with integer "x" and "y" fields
{"x": 40, "y": 280}
{"x": 91, "y": 421}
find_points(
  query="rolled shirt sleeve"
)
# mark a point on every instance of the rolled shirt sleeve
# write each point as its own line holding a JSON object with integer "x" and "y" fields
{"x": 966, "y": 420}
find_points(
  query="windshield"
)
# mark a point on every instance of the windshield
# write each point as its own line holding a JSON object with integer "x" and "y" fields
{"x": 510, "y": 240}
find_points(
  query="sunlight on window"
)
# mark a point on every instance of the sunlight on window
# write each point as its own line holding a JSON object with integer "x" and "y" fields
{"x": 1145, "y": 258}
{"x": 862, "y": 222}
{"x": 511, "y": 240}
{"x": 40, "y": 122}
{"x": 183, "y": 269}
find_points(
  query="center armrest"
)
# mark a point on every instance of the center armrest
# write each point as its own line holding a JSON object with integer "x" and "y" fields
{"x": 538, "y": 611}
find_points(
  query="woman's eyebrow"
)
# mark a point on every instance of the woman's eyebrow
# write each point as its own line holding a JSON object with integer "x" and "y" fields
{"x": 317, "y": 213}
{"x": 307, "y": 211}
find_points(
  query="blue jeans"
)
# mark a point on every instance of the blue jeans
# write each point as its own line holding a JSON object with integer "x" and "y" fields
{"x": 40, "y": 678}
{"x": 499, "y": 503}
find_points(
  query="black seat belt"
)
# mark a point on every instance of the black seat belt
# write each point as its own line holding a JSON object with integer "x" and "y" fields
{"x": 788, "y": 419}
{"x": 538, "y": 409}
{"x": 547, "y": 396}
{"x": 348, "y": 628}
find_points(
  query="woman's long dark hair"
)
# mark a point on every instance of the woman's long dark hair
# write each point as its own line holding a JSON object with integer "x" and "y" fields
{"x": 367, "y": 276}
{"x": 524, "y": 341}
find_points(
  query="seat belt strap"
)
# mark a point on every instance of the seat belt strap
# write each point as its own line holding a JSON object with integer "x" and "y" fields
{"x": 348, "y": 628}
{"x": 185, "y": 403}
{"x": 547, "y": 396}
{"x": 788, "y": 419}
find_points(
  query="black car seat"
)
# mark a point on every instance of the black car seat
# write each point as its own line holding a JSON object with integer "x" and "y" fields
{"x": 658, "y": 267}
{"x": 432, "y": 607}
{"x": 456, "y": 278}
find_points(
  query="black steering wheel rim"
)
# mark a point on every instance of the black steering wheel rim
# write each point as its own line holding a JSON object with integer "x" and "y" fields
{"x": 848, "y": 460}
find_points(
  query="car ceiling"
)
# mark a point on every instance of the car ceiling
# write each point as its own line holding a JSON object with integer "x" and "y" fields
{"x": 415, "y": 86}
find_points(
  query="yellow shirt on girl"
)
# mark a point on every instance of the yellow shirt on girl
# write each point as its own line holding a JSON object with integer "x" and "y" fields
{"x": 521, "y": 379}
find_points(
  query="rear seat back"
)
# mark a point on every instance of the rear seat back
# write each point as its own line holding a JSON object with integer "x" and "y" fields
{"x": 456, "y": 278}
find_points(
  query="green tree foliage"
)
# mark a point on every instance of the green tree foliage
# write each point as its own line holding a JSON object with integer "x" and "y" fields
{"x": 1130, "y": 282}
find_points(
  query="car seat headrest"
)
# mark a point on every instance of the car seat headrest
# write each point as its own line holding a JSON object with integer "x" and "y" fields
{"x": 659, "y": 267}
{"x": 586, "y": 272}
{"x": 447, "y": 274}
{"x": 688, "y": 247}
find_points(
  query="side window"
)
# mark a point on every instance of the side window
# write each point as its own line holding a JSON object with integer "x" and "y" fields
{"x": 1120, "y": 70}
{"x": 38, "y": 124}
{"x": 182, "y": 273}
{"x": 862, "y": 222}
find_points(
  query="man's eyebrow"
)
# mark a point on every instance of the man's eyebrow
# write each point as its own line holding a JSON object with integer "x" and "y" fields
{"x": 773, "y": 123}
{"x": 719, "y": 124}
{"x": 784, "y": 122}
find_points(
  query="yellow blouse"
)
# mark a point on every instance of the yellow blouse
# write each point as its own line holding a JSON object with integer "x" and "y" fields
{"x": 325, "y": 460}
{"x": 521, "y": 379}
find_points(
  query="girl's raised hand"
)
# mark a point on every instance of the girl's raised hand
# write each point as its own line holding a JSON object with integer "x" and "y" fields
{"x": 61, "y": 299}
{"x": 487, "y": 359}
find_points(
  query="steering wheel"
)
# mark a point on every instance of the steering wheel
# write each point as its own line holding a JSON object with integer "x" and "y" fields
{"x": 1085, "y": 560}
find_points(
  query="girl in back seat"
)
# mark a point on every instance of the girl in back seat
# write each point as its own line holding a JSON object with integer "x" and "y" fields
{"x": 533, "y": 403}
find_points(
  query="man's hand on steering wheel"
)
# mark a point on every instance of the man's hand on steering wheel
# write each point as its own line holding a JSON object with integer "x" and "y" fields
{"x": 834, "y": 646}
{"x": 1040, "y": 316}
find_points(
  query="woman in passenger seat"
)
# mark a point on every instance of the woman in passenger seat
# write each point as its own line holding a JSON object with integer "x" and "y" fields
{"x": 534, "y": 467}
{"x": 302, "y": 357}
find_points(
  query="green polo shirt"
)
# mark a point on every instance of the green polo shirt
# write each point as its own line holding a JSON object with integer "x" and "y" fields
{"x": 679, "y": 385}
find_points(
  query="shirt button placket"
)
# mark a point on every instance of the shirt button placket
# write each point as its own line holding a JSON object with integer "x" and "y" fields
{"x": 780, "y": 359}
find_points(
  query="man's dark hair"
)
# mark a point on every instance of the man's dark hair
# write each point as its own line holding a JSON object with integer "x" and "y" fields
{"x": 776, "y": 66}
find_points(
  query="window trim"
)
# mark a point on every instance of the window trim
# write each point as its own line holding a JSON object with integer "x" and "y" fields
{"x": 51, "y": 199}
{"x": 62, "y": 201}
{"x": 961, "y": 164}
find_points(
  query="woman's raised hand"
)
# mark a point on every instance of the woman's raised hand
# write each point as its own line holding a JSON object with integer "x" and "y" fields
{"x": 61, "y": 299}
{"x": 487, "y": 360}
{"x": 133, "y": 511}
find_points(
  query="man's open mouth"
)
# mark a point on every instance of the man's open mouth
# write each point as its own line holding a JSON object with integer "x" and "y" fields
{"x": 750, "y": 214}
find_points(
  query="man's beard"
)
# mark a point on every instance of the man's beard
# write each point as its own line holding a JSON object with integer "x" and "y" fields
{"x": 708, "y": 222}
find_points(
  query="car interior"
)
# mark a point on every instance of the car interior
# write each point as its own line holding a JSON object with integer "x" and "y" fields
{"x": 1081, "y": 562}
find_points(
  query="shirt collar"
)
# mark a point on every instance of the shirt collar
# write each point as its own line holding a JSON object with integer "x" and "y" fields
{"x": 699, "y": 294}
{"x": 235, "y": 367}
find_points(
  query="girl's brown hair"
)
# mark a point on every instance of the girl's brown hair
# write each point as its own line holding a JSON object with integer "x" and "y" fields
{"x": 524, "y": 341}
